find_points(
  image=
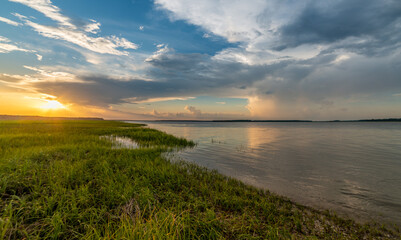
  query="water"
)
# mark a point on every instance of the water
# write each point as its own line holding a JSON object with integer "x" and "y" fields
{"x": 352, "y": 168}
{"x": 121, "y": 142}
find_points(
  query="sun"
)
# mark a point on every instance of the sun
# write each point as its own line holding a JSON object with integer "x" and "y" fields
{"x": 53, "y": 105}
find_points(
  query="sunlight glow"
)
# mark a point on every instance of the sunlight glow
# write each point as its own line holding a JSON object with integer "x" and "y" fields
{"x": 53, "y": 105}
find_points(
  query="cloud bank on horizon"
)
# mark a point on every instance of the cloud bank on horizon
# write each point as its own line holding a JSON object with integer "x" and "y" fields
{"x": 181, "y": 59}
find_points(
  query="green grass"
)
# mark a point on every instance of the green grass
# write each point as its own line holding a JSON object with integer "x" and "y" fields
{"x": 62, "y": 180}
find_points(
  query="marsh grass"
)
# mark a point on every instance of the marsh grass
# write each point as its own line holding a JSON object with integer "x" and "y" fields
{"x": 61, "y": 180}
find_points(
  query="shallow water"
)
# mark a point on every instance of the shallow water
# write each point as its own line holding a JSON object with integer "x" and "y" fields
{"x": 352, "y": 168}
{"x": 122, "y": 142}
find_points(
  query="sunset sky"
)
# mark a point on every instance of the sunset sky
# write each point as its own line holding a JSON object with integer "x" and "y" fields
{"x": 209, "y": 59}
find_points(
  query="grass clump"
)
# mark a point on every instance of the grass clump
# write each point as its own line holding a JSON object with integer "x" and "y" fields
{"x": 62, "y": 180}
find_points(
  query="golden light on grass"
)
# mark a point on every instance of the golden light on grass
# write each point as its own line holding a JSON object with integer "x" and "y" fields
{"x": 52, "y": 105}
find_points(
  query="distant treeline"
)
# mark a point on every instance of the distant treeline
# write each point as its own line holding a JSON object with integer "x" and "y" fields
{"x": 361, "y": 120}
{"x": 370, "y": 120}
{"x": 228, "y": 120}
{"x": 17, "y": 117}
{"x": 381, "y": 120}
{"x": 261, "y": 121}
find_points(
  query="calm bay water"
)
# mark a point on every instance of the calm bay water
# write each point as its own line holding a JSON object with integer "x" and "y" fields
{"x": 352, "y": 168}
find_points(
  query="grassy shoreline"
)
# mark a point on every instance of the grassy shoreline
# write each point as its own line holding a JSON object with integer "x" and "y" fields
{"x": 62, "y": 180}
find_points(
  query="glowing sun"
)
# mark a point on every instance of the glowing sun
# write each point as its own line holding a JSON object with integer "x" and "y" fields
{"x": 53, "y": 105}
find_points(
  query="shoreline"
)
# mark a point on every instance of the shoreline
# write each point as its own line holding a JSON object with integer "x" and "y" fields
{"x": 261, "y": 155}
{"x": 67, "y": 182}
{"x": 332, "y": 209}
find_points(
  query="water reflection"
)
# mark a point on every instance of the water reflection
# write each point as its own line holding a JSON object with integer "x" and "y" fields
{"x": 261, "y": 137}
{"x": 353, "y": 168}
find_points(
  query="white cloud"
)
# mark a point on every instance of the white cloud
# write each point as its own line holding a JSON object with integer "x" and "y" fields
{"x": 72, "y": 33}
{"x": 107, "y": 45}
{"x": 8, "y": 21}
{"x": 341, "y": 58}
{"x": 124, "y": 43}
{"x": 162, "y": 49}
{"x": 40, "y": 76}
{"x": 234, "y": 20}
{"x": 93, "y": 27}
{"x": 21, "y": 17}
{"x": 39, "y": 57}
{"x": 4, "y": 39}
{"x": 49, "y": 10}
{"x": 68, "y": 77}
{"x": 27, "y": 82}
{"x": 6, "y": 48}
{"x": 252, "y": 24}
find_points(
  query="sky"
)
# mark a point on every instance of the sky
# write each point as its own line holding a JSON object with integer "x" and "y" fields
{"x": 210, "y": 59}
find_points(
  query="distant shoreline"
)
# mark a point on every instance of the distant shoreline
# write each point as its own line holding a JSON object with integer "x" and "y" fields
{"x": 360, "y": 120}
{"x": 26, "y": 117}
{"x": 22, "y": 117}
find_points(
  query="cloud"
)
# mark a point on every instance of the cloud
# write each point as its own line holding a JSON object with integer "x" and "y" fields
{"x": 49, "y": 10}
{"x": 252, "y": 24}
{"x": 173, "y": 76}
{"x": 28, "y": 82}
{"x": 309, "y": 89}
{"x": 308, "y": 53}
{"x": 124, "y": 43}
{"x": 192, "y": 114}
{"x": 21, "y": 17}
{"x": 193, "y": 110}
{"x": 103, "y": 45}
{"x": 267, "y": 28}
{"x": 93, "y": 27}
{"x": 73, "y": 33}
{"x": 289, "y": 59}
{"x": 185, "y": 80}
{"x": 4, "y": 39}
{"x": 178, "y": 76}
{"x": 233, "y": 20}
{"x": 39, "y": 57}
{"x": 141, "y": 28}
{"x": 162, "y": 49}
{"x": 8, "y": 21}
{"x": 6, "y": 46}
{"x": 325, "y": 23}
{"x": 162, "y": 99}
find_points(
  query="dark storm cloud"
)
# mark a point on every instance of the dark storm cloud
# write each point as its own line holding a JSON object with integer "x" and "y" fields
{"x": 178, "y": 75}
{"x": 367, "y": 77}
{"x": 326, "y": 22}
